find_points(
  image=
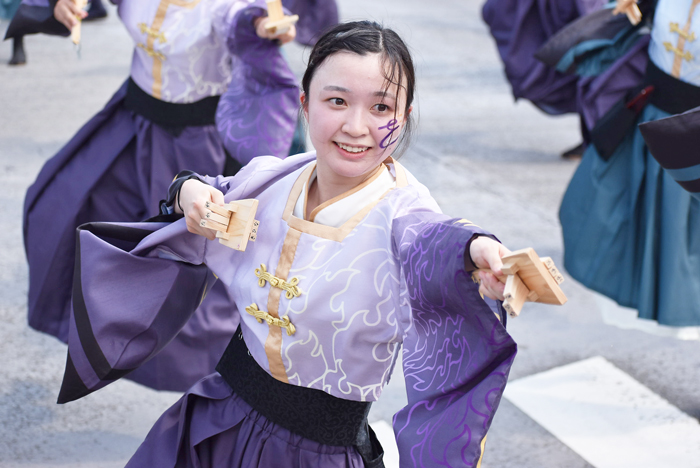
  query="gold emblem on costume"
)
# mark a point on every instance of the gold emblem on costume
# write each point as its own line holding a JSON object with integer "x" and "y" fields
{"x": 153, "y": 53}
{"x": 675, "y": 27}
{"x": 160, "y": 35}
{"x": 261, "y": 315}
{"x": 681, "y": 53}
{"x": 291, "y": 288}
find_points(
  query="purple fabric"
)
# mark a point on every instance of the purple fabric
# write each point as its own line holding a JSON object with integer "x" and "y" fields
{"x": 257, "y": 114}
{"x": 211, "y": 427}
{"x": 124, "y": 165}
{"x": 597, "y": 95}
{"x": 146, "y": 323}
{"x": 39, "y": 3}
{"x": 520, "y": 28}
{"x": 315, "y": 16}
{"x": 457, "y": 356}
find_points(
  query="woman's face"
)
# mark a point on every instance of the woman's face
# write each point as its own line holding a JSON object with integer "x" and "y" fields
{"x": 354, "y": 122}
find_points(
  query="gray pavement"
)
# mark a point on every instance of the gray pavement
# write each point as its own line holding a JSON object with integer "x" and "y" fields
{"x": 483, "y": 156}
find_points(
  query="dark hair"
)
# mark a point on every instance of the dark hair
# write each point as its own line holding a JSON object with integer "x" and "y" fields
{"x": 363, "y": 37}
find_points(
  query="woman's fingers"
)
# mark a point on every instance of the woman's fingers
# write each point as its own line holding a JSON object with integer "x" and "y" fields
{"x": 486, "y": 253}
{"x": 196, "y": 199}
{"x": 67, "y": 13}
{"x": 262, "y": 32}
{"x": 490, "y": 286}
{"x": 287, "y": 36}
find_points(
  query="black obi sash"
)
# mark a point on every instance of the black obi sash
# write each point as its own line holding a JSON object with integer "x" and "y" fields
{"x": 308, "y": 412}
{"x": 168, "y": 114}
{"x": 660, "y": 89}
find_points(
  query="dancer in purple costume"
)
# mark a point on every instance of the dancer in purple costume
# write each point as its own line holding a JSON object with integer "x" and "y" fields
{"x": 520, "y": 28}
{"x": 353, "y": 262}
{"x": 204, "y": 82}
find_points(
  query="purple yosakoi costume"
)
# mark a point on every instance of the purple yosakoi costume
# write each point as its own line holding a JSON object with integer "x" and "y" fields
{"x": 206, "y": 94}
{"x": 324, "y": 307}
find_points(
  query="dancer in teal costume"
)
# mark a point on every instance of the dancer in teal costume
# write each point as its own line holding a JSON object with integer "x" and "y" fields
{"x": 7, "y": 11}
{"x": 630, "y": 231}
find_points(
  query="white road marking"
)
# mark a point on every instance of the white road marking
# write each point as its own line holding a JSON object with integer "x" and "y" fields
{"x": 607, "y": 417}
{"x": 385, "y": 434}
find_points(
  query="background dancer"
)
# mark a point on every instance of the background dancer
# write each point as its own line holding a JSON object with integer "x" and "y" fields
{"x": 520, "y": 28}
{"x": 628, "y": 226}
{"x": 161, "y": 121}
{"x": 8, "y": 8}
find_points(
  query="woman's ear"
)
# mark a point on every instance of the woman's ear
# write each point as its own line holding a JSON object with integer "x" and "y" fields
{"x": 304, "y": 106}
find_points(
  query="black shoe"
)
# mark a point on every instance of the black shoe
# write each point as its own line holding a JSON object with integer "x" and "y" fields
{"x": 574, "y": 153}
{"x": 18, "y": 55}
{"x": 96, "y": 11}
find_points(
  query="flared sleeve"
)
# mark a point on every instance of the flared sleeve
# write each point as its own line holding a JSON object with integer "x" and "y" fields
{"x": 457, "y": 353}
{"x": 134, "y": 287}
{"x": 257, "y": 114}
{"x": 315, "y": 16}
{"x": 520, "y": 29}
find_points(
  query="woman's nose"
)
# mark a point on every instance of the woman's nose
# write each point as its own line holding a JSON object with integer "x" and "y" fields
{"x": 356, "y": 124}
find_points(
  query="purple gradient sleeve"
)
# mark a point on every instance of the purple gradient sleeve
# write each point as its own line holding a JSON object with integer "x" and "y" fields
{"x": 120, "y": 321}
{"x": 457, "y": 354}
{"x": 519, "y": 29}
{"x": 257, "y": 114}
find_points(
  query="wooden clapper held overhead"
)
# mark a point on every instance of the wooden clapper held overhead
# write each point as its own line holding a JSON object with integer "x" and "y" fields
{"x": 75, "y": 32}
{"x": 234, "y": 223}
{"x": 278, "y": 23}
{"x": 529, "y": 278}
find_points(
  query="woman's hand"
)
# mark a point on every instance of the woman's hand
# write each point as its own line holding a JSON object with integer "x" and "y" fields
{"x": 67, "y": 13}
{"x": 486, "y": 253}
{"x": 285, "y": 37}
{"x": 193, "y": 197}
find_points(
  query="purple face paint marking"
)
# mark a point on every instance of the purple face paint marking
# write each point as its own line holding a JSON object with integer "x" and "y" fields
{"x": 392, "y": 126}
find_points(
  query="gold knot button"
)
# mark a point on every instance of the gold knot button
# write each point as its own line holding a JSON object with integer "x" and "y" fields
{"x": 261, "y": 315}
{"x": 291, "y": 289}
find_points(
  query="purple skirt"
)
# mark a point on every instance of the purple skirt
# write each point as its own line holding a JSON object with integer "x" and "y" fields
{"x": 117, "y": 168}
{"x": 210, "y": 426}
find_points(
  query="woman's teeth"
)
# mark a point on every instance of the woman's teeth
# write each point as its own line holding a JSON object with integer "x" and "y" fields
{"x": 353, "y": 149}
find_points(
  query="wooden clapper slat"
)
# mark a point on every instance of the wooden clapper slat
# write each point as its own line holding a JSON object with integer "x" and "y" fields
{"x": 278, "y": 23}
{"x": 75, "y": 32}
{"x": 234, "y": 223}
{"x": 529, "y": 278}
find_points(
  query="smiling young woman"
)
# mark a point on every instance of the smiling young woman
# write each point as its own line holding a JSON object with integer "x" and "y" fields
{"x": 354, "y": 253}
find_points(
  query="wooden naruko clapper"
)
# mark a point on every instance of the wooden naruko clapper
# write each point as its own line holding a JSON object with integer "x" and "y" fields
{"x": 234, "y": 223}
{"x": 529, "y": 278}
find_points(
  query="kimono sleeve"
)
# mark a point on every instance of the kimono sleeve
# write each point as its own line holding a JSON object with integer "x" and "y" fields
{"x": 134, "y": 287}
{"x": 315, "y": 17}
{"x": 457, "y": 354}
{"x": 257, "y": 113}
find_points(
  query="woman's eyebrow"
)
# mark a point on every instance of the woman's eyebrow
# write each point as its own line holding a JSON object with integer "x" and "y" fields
{"x": 337, "y": 88}
{"x": 385, "y": 94}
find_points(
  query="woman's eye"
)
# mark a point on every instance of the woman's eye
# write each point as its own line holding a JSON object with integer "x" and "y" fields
{"x": 381, "y": 107}
{"x": 337, "y": 101}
